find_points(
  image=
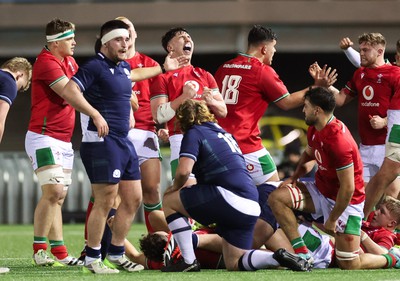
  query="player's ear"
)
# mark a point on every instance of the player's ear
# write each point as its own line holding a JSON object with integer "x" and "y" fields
{"x": 19, "y": 75}
{"x": 263, "y": 49}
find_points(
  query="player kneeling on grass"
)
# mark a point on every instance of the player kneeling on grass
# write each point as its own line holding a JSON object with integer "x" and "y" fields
{"x": 224, "y": 194}
{"x": 337, "y": 194}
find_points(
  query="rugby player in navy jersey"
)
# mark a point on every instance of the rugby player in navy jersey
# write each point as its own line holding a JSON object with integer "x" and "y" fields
{"x": 109, "y": 157}
{"x": 224, "y": 194}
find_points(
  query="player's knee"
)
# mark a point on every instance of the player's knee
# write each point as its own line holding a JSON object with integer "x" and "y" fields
{"x": 296, "y": 197}
{"x": 53, "y": 176}
{"x": 275, "y": 198}
{"x": 348, "y": 260}
{"x": 132, "y": 204}
{"x": 151, "y": 195}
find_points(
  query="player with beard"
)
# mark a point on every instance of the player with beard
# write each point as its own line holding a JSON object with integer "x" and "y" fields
{"x": 109, "y": 157}
{"x": 338, "y": 191}
{"x": 375, "y": 85}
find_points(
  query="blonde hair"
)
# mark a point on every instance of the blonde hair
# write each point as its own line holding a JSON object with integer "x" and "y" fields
{"x": 19, "y": 64}
{"x": 193, "y": 112}
{"x": 373, "y": 38}
{"x": 393, "y": 206}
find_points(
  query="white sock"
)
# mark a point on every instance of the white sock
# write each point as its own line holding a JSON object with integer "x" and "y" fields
{"x": 182, "y": 232}
{"x": 258, "y": 259}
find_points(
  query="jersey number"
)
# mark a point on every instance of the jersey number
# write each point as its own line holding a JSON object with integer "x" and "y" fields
{"x": 230, "y": 87}
{"x": 230, "y": 141}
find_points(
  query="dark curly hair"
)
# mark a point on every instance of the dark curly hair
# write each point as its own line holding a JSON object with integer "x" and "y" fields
{"x": 152, "y": 245}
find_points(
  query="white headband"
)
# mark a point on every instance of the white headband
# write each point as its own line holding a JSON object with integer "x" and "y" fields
{"x": 60, "y": 36}
{"x": 119, "y": 32}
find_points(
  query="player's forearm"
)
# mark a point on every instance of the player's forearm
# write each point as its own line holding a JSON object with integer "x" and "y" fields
{"x": 139, "y": 74}
{"x": 340, "y": 97}
{"x": 353, "y": 56}
{"x": 180, "y": 180}
{"x": 304, "y": 166}
{"x": 134, "y": 102}
{"x": 293, "y": 100}
{"x": 73, "y": 95}
{"x": 219, "y": 109}
{"x": 343, "y": 199}
{"x": 178, "y": 101}
{"x": 370, "y": 246}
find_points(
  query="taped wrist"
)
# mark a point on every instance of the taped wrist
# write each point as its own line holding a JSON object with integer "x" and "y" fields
{"x": 165, "y": 113}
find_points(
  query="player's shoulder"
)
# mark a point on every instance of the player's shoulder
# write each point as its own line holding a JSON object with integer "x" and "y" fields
{"x": 124, "y": 64}
{"x": 389, "y": 68}
{"x": 395, "y": 70}
{"x": 337, "y": 132}
{"x": 197, "y": 70}
{"x": 7, "y": 78}
{"x": 146, "y": 57}
{"x": 336, "y": 126}
{"x": 206, "y": 128}
{"x": 46, "y": 57}
{"x": 141, "y": 60}
{"x": 94, "y": 63}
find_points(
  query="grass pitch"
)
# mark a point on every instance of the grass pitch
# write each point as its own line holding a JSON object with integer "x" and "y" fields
{"x": 16, "y": 252}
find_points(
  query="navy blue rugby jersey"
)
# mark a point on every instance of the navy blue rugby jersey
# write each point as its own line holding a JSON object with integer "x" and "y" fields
{"x": 218, "y": 158}
{"x": 108, "y": 88}
{"x": 8, "y": 87}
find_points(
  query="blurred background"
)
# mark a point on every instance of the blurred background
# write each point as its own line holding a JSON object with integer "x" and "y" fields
{"x": 308, "y": 31}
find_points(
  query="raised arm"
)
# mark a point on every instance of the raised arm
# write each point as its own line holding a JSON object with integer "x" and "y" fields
{"x": 324, "y": 73}
{"x": 324, "y": 77}
{"x": 352, "y": 55}
{"x": 139, "y": 74}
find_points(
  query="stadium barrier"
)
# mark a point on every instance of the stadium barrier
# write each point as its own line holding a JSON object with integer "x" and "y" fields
{"x": 20, "y": 191}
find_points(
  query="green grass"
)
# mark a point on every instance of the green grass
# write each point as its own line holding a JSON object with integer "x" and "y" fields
{"x": 16, "y": 250}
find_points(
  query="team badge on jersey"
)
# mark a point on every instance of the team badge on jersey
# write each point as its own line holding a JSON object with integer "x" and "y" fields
{"x": 250, "y": 167}
{"x": 379, "y": 78}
